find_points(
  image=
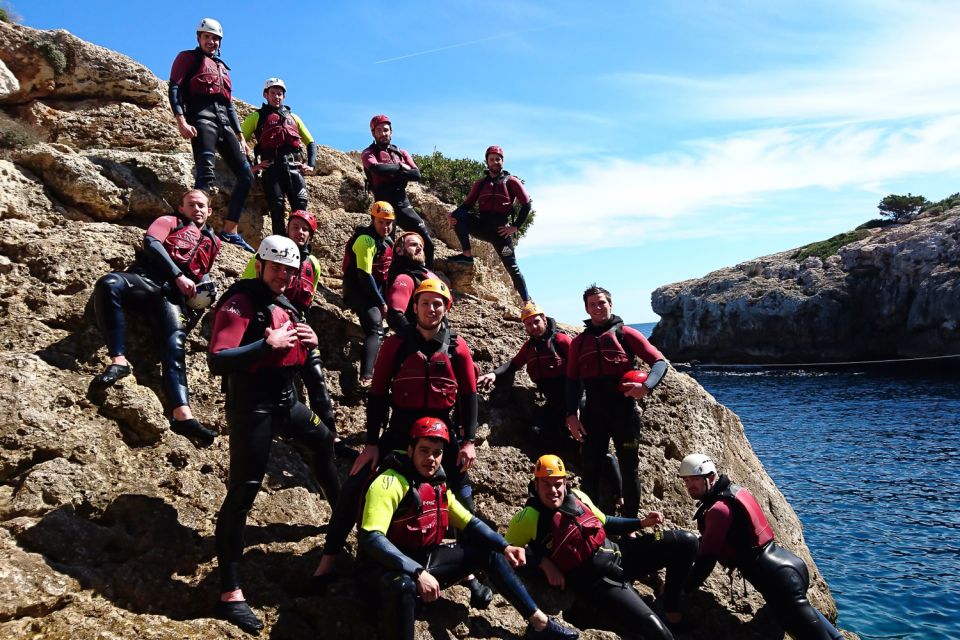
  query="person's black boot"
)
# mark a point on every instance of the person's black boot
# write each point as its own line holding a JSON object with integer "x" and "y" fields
{"x": 240, "y": 614}
{"x": 198, "y": 434}
{"x": 480, "y": 594}
{"x": 112, "y": 373}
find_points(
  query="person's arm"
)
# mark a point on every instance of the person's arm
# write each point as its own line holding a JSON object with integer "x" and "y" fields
{"x": 365, "y": 250}
{"x": 413, "y": 173}
{"x": 398, "y": 299}
{"x": 234, "y": 119}
{"x": 718, "y": 520}
{"x": 471, "y": 199}
{"x": 229, "y": 324}
{"x": 522, "y": 532}
{"x": 466, "y": 389}
{"x": 181, "y": 65}
{"x": 372, "y": 163}
{"x": 249, "y": 125}
{"x": 378, "y": 404}
{"x": 153, "y": 247}
{"x": 574, "y": 384}
{"x": 381, "y": 502}
{"x": 515, "y": 188}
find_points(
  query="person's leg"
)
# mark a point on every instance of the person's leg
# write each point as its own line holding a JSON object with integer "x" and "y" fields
{"x": 296, "y": 188}
{"x": 595, "y": 448}
{"x": 111, "y": 294}
{"x": 782, "y": 579}
{"x": 462, "y": 229}
{"x": 342, "y": 520}
{"x": 620, "y": 603}
{"x": 398, "y": 596}
{"x": 458, "y": 480}
{"x": 505, "y": 249}
{"x": 409, "y": 220}
{"x": 232, "y": 153}
{"x": 371, "y": 321}
{"x": 307, "y": 428}
{"x": 273, "y": 192}
{"x": 626, "y": 441}
{"x": 675, "y": 550}
{"x": 204, "y": 147}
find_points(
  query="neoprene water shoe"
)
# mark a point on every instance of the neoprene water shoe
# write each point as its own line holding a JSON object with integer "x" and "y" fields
{"x": 113, "y": 373}
{"x": 553, "y": 631}
{"x": 240, "y": 614}
{"x": 461, "y": 259}
{"x": 237, "y": 239}
{"x": 480, "y": 594}
{"x": 196, "y": 432}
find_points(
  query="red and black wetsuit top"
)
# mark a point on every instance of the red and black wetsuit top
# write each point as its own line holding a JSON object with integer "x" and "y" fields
{"x": 545, "y": 357}
{"x": 732, "y": 524}
{"x": 422, "y": 517}
{"x": 387, "y": 179}
{"x": 175, "y": 246}
{"x": 197, "y": 81}
{"x": 277, "y": 132}
{"x": 404, "y": 278}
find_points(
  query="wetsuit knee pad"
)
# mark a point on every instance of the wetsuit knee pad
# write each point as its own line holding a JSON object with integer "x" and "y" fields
{"x": 687, "y": 541}
{"x": 241, "y": 496}
{"x": 398, "y": 585}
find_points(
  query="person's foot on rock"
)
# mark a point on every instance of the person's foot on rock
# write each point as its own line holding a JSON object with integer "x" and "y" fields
{"x": 196, "y": 432}
{"x": 240, "y": 614}
{"x": 553, "y": 631}
{"x": 480, "y": 594}
{"x": 237, "y": 239}
{"x": 111, "y": 374}
{"x": 460, "y": 259}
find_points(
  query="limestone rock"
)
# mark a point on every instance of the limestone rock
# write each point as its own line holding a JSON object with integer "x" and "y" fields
{"x": 8, "y": 82}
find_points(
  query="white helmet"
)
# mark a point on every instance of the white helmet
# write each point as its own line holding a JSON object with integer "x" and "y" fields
{"x": 279, "y": 249}
{"x": 206, "y": 293}
{"x": 274, "y": 82}
{"x": 696, "y": 464}
{"x": 209, "y": 25}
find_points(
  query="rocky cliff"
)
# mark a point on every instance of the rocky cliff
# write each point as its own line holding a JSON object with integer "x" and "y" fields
{"x": 106, "y": 517}
{"x": 892, "y": 293}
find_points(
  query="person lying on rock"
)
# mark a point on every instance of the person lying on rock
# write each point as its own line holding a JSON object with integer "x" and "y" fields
{"x": 598, "y": 359}
{"x": 494, "y": 195}
{"x": 259, "y": 344}
{"x": 426, "y": 370}
{"x": 200, "y": 96}
{"x": 366, "y": 261}
{"x": 168, "y": 281}
{"x": 281, "y": 140}
{"x": 406, "y": 512}
{"x": 407, "y": 271}
{"x": 567, "y": 537}
{"x": 735, "y": 532}
{"x": 388, "y": 169}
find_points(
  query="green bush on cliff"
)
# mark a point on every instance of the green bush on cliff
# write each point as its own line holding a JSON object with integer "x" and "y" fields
{"x": 898, "y": 207}
{"x": 826, "y": 248}
{"x": 450, "y": 180}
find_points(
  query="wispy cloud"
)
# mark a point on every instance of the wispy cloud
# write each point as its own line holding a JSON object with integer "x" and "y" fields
{"x": 468, "y": 43}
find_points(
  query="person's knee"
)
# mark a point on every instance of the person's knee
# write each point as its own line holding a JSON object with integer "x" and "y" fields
{"x": 398, "y": 586}
{"x": 240, "y": 497}
{"x": 686, "y": 543}
{"x": 176, "y": 348}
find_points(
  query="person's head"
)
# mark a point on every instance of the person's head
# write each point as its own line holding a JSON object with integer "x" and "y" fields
{"x": 410, "y": 245}
{"x": 382, "y": 129}
{"x": 195, "y": 205}
{"x": 209, "y": 35}
{"x": 431, "y": 301}
{"x": 698, "y": 473}
{"x": 428, "y": 436}
{"x": 274, "y": 91}
{"x": 494, "y": 159}
{"x": 278, "y": 261}
{"x": 550, "y": 480}
{"x": 534, "y": 320}
{"x": 599, "y": 304}
{"x": 382, "y": 218}
{"x": 301, "y": 226}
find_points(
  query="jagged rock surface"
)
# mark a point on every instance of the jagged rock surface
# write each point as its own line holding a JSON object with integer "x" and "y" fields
{"x": 893, "y": 294}
{"x": 106, "y": 517}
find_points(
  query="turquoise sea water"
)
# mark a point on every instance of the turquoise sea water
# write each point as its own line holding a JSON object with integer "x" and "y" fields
{"x": 870, "y": 461}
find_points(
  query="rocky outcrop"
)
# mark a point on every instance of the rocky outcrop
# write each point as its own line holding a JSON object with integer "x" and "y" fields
{"x": 106, "y": 517}
{"x": 893, "y": 294}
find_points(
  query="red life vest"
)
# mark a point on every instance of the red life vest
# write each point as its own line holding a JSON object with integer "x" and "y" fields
{"x": 381, "y": 259}
{"x": 422, "y": 383}
{"x": 211, "y": 78}
{"x": 544, "y": 360}
{"x": 575, "y": 532}
{"x": 389, "y": 155}
{"x": 606, "y": 354}
{"x": 750, "y": 531}
{"x": 276, "y": 130}
{"x": 422, "y": 518}
{"x": 301, "y": 290}
{"x": 191, "y": 249}
{"x": 495, "y": 194}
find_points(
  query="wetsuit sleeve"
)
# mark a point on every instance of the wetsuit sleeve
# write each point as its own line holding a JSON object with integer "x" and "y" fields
{"x": 311, "y": 154}
{"x": 459, "y": 516}
{"x": 249, "y": 125}
{"x": 365, "y": 249}
{"x": 382, "y": 500}
{"x": 574, "y": 384}
{"x": 523, "y": 527}
{"x": 471, "y": 197}
{"x": 398, "y": 299}
{"x": 181, "y": 65}
{"x": 515, "y": 188}
{"x": 718, "y": 520}
{"x": 305, "y": 136}
{"x": 562, "y": 342}
{"x": 657, "y": 371}
{"x": 479, "y": 533}
{"x": 378, "y": 404}
{"x": 413, "y": 173}
{"x": 466, "y": 389}
{"x": 505, "y": 369}
{"x": 372, "y": 163}
{"x": 250, "y": 271}
{"x": 229, "y": 324}
{"x": 641, "y": 346}
{"x": 157, "y": 232}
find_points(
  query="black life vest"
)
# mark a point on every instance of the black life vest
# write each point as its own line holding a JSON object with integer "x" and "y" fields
{"x": 422, "y": 517}
{"x": 192, "y": 249}
{"x": 750, "y": 531}
{"x": 604, "y": 354}
{"x": 422, "y": 382}
{"x": 276, "y": 132}
{"x": 571, "y": 534}
{"x": 381, "y": 259}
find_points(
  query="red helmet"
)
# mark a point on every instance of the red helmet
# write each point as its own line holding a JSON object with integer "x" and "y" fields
{"x": 493, "y": 149}
{"x": 380, "y": 119}
{"x": 429, "y": 428}
{"x": 632, "y": 376}
{"x": 307, "y": 217}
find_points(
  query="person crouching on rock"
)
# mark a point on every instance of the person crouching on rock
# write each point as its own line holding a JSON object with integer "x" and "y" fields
{"x": 406, "y": 513}
{"x": 200, "y": 96}
{"x": 259, "y": 344}
{"x": 407, "y": 271}
{"x": 566, "y": 536}
{"x": 735, "y": 532}
{"x": 169, "y": 274}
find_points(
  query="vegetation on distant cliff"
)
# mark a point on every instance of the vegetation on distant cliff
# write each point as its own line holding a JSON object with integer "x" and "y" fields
{"x": 898, "y": 207}
{"x": 826, "y": 248}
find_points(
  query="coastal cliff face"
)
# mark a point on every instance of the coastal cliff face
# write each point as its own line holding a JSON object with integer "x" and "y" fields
{"x": 106, "y": 517}
{"x": 892, "y": 294}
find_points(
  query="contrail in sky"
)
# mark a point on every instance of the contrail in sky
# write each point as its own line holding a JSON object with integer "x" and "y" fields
{"x": 463, "y": 44}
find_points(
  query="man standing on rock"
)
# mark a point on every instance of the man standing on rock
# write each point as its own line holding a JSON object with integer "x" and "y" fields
{"x": 598, "y": 359}
{"x": 494, "y": 195}
{"x": 407, "y": 271}
{"x": 169, "y": 273}
{"x": 259, "y": 344}
{"x": 281, "y": 140}
{"x": 200, "y": 96}
{"x": 735, "y": 532}
{"x": 388, "y": 169}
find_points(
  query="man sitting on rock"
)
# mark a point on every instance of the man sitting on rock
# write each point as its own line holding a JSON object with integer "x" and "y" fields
{"x": 735, "y": 533}
{"x": 407, "y": 271}
{"x": 178, "y": 253}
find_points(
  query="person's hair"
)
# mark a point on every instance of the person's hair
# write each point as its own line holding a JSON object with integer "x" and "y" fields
{"x": 594, "y": 290}
{"x": 200, "y": 191}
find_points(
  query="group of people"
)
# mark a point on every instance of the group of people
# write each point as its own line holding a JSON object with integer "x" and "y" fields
{"x": 411, "y": 482}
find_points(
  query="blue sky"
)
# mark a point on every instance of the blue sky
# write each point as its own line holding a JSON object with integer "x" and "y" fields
{"x": 659, "y": 140}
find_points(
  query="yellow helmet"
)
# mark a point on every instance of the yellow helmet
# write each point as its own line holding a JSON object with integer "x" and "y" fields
{"x": 382, "y": 210}
{"x": 531, "y": 309}
{"x": 549, "y": 466}
{"x": 433, "y": 285}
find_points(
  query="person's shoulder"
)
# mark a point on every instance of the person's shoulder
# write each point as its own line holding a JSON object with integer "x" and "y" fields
{"x": 239, "y": 304}
{"x": 562, "y": 337}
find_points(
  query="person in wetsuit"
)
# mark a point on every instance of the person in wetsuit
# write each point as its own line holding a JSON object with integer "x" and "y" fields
{"x": 406, "y": 512}
{"x": 259, "y": 344}
{"x": 407, "y": 271}
{"x": 735, "y": 532}
{"x": 282, "y": 139}
{"x": 494, "y": 195}
{"x": 597, "y": 360}
{"x": 567, "y": 537}
{"x": 388, "y": 169}
{"x": 201, "y": 98}
{"x": 178, "y": 253}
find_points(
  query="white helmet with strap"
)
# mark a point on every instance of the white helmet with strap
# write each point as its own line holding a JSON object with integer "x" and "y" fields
{"x": 279, "y": 249}
{"x": 696, "y": 464}
{"x": 274, "y": 82}
{"x": 209, "y": 25}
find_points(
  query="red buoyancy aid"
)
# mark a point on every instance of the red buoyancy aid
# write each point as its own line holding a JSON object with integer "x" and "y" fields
{"x": 211, "y": 78}
{"x": 604, "y": 355}
{"x": 544, "y": 360}
{"x": 276, "y": 129}
{"x": 191, "y": 249}
{"x": 495, "y": 194}
{"x": 301, "y": 290}
{"x": 391, "y": 154}
{"x": 750, "y": 531}
{"x": 422, "y": 522}
{"x": 381, "y": 260}
{"x": 425, "y": 383}
{"x": 576, "y": 534}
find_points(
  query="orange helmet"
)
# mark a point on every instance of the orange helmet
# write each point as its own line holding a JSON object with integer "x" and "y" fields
{"x": 429, "y": 428}
{"x": 433, "y": 285}
{"x": 531, "y": 309}
{"x": 549, "y": 466}
{"x": 382, "y": 210}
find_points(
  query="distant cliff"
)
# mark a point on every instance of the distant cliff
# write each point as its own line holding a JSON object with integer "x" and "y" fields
{"x": 893, "y": 293}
